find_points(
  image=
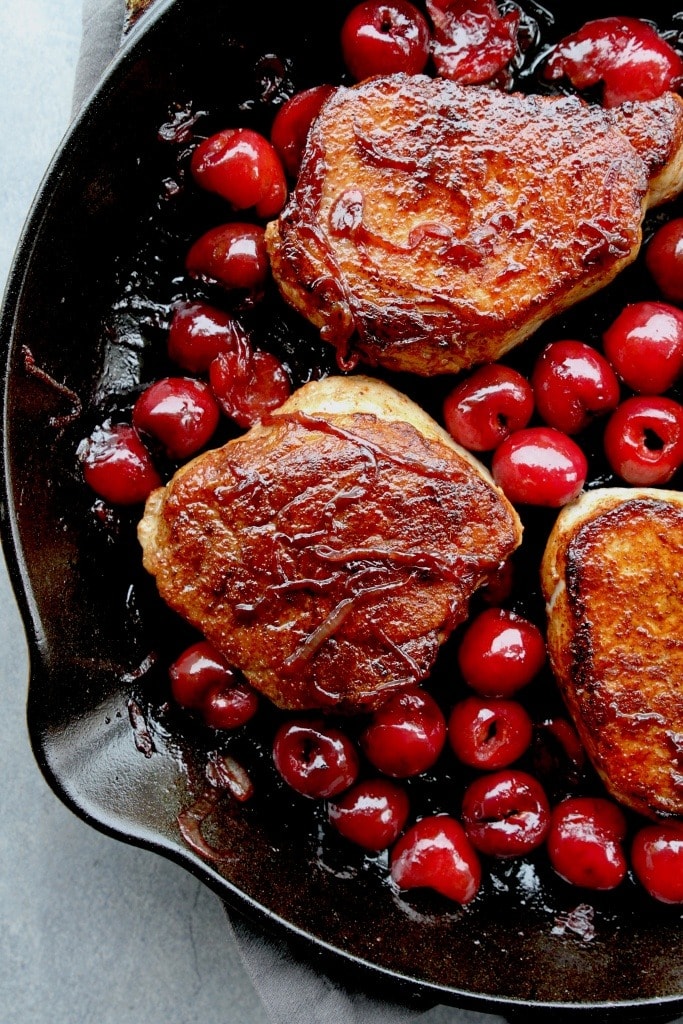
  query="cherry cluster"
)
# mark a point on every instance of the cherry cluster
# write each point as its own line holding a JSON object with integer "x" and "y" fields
{"x": 220, "y": 371}
{"x": 573, "y": 383}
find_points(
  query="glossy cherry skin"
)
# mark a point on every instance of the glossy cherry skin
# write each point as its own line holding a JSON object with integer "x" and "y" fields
{"x": 500, "y": 652}
{"x": 202, "y": 679}
{"x": 180, "y": 412}
{"x": 292, "y": 123}
{"x": 573, "y": 383}
{"x": 487, "y": 406}
{"x": 314, "y": 758}
{"x": 657, "y": 860}
{"x": 435, "y": 853}
{"x": 627, "y": 55}
{"x": 198, "y": 670}
{"x": 248, "y": 384}
{"x": 488, "y": 733}
{"x": 644, "y": 440}
{"x": 231, "y": 707}
{"x": 381, "y": 37}
{"x": 540, "y": 466}
{"x": 405, "y": 735}
{"x": 506, "y": 813}
{"x": 473, "y": 41}
{"x": 664, "y": 259}
{"x": 644, "y": 344}
{"x": 371, "y": 814}
{"x": 198, "y": 333}
{"x": 584, "y": 842}
{"x": 243, "y": 167}
{"x": 231, "y": 255}
{"x": 117, "y": 465}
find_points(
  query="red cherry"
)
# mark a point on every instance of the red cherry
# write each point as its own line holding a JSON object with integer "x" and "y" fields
{"x": 314, "y": 758}
{"x": 292, "y": 122}
{"x": 572, "y": 383}
{"x": 203, "y": 680}
{"x": 645, "y": 346}
{"x": 489, "y": 733}
{"x": 371, "y": 814}
{"x": 539, "y": 466}
{"x": 584, "y": 842}
{"x": 626, "y": 54}
{"x": 231, "y": 255}
{"x": 197, "y": 671}
{"x": 243, "y": 167}
{"x": 664, "y": 259}
{"x": 248, "y": 385}
{"x": 117, "y": 465}
{"x": 500, "y": 652}
{"x": 473, "y": 42}
{"x": 435, "y": 853}
{"x": 506, "y": 813}
{"x": 199, "y": 332}
{"x": 405, "y": 735}
{"x": 657, "y": 860}
{"x": 180, "y": 412}
{"x": 381, "y": 37}
{"x": 229, "y": 708}
{"x": 644, "y": 440}
{"x": 482, "y": 410}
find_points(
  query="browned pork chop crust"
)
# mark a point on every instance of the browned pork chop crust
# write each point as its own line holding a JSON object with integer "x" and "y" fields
{"x": 435, "y": 226}
{"x": 613, "y": 578}
{"x": 327, "y": 554}
{"x": 655, "y": 130}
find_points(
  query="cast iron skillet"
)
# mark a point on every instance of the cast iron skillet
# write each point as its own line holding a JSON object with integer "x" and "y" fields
{"x": 83, "y": 325}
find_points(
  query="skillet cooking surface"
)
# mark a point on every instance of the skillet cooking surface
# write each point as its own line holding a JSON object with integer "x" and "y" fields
{"x": 87, "y": 306}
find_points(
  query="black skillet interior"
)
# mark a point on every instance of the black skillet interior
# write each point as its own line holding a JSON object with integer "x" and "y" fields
{"x": 83, "y": 329}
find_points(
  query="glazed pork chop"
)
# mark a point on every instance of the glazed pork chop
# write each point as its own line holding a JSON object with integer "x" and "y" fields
{"x": 612, "y": 577}
{"x": 435, "y": 226}
{"x": 330, "y": 550}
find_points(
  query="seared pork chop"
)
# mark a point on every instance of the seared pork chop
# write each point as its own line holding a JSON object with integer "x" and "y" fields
{"x": 435, "y": 226}
{"x": 612, "y": 576}
{"x": 329, "y": 551}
